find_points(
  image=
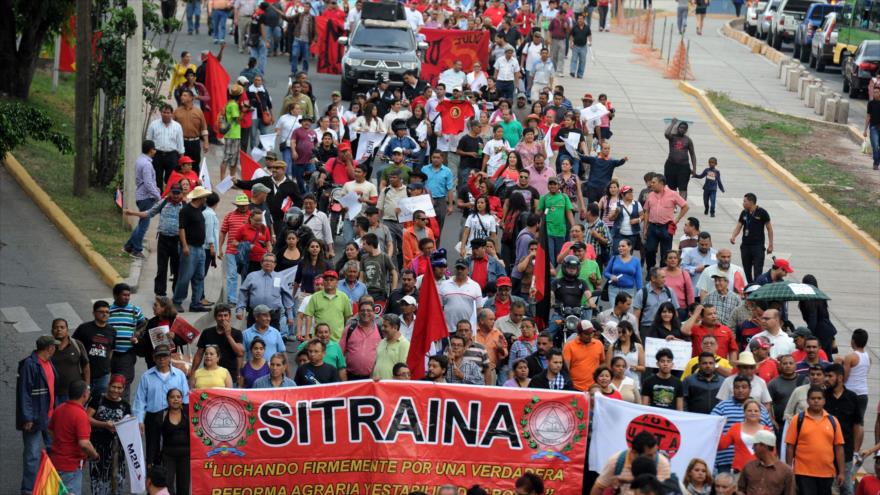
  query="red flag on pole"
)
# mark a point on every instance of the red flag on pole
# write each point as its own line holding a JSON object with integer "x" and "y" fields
{"x": 249, "y": 167}
{"x": 184, "y": 330}
{"x": 430, "y": 326}
{"x": 217, "y": 84}
{"x": 542, "y": 279}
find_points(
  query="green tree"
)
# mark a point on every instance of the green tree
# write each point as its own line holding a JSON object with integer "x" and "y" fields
{"x": 19, "y": 122}
{"x": 25, "y": 25}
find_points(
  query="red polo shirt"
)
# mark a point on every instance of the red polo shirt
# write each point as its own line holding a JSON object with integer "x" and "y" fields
{"x": 69, "y": 425}
{"x": 724, "y": 335}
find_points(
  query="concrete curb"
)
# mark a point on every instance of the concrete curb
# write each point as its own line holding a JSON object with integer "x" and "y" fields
{"x": 775, "y": 56}
{"x": 855, "y": 233}
{"x": 62, "y": 222}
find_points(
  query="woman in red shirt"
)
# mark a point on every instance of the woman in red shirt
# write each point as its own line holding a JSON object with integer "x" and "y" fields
{"x": 184, "y": 171}
{"x": 602, "y": 378}
{"x": 741, "y": 435}
{"x": 258, "y": 236}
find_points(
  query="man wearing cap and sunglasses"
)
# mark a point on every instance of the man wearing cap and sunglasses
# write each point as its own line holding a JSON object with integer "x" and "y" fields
{"x": 281, "y": 189}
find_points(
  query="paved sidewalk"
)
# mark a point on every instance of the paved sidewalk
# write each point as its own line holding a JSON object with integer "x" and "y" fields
{"x": 725, "y": 65}
{"x": 643, "y": 98}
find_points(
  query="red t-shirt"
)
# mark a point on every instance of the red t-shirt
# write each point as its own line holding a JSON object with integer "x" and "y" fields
{"x": 768, "y": 369}
{"x": 454, "y": 114}
{"x": 524, "y": 23}
{"x": 50, "y": 382}
{"x": 502, "y": 308}
{"x": 69, "y": 425}
{"x": 338, "y": 172}
{"x": 870, "y": 485}
{"x": 496, "y": 14}
{"x": 723, "y": 334}
{"x": 480, "y": 273}
{"x": 247, "y": 118}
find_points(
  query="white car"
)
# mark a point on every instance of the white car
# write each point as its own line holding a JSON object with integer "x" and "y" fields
{"x": 765, "y": 17}
{"x": 752, "y": 13}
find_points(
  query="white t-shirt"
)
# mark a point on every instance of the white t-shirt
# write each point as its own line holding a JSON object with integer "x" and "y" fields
{"x": 759, "y": 389}
{"x": 496, "y": 150}
{"x": 286, "y": 125}
{"x": 365, "y": 189}
{"x": 782, "y": 343}
{"x": 533, "y": 54}
{"x": 481, "y": 226}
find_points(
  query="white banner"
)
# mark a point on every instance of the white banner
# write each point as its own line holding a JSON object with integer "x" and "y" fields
{"x": 410, "y": 205}
{"x": 681, "y": 352}
{"x": 366, "y": 143}
{"x": 204, "y": 174}
{"x": 267, "y": 141}
{"x": 682, "y": 436}
{"x": 129, "y": 433}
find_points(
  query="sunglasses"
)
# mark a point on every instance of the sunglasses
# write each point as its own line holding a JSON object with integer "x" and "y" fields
{"x": 421, "y": 219}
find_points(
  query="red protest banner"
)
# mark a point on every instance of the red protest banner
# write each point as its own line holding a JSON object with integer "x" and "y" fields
{"x": 445, "y": 46}
{"x": 326, "y": 46}
{"x": 385, "y": 437}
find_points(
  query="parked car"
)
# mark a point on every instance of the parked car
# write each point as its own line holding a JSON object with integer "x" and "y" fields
{"x": 752, "y": 12}
{"x": 860, "y": 67}
{"x": 765, "y": 16}
{"x": 803, "y": 36}
{"x": 785, "y": 21}
{"x": 824, "y": 39}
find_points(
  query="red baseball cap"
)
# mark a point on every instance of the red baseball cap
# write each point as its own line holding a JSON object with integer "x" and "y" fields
{"x": 345, "y": 146}
{"x": 185, "y": 159}
{"x": 587, "y": 96}
{"x": 331, "y": 274}
{"x": 503, "y": 282}
{"x": 783, "y": 264}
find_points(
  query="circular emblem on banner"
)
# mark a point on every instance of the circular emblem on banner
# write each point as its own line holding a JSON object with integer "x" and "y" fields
{"x": 667, "y": 434}
{"x": 223, "y": 423}
{"x": 455, "y": 112}
{"x": 552, "y": 427}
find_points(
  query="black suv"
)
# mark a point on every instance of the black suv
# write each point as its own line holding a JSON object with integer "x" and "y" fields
{"x": 381, "y": 45}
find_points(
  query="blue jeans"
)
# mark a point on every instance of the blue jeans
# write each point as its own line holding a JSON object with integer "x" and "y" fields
{"x": 231, "y": 278}
{"x": 505, "y": 89}
{"x": 218, "y": 23}
{"x": 578, "y": 60}
{"x": 193, "y": 16}
{"x": 72, "y": 480}
{"x": 874, "y": 132}
{"x": 260, "y": 52}
{"x": 554, "y": 245}
{"x": 709, "y": 199}
{"x": 192, "y": 269}
{"x": 33, "y": 442}
{"x": 287, "y": 156}
{"x": 136, "y": 240}
{"x": 275, "y": 36}
{"x": 100, "y": 384}
{"x": 299, "y": 50}
{"x": 590, "y": 10}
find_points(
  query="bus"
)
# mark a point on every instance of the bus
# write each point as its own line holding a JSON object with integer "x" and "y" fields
{"x": 861, "y": 22}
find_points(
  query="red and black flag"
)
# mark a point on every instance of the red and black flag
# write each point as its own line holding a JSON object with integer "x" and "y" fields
{"x": 542, "y": 278}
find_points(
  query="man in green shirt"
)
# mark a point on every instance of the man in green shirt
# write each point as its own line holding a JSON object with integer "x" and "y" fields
{"x": 330, "y": 306}
{"x": 332, "y": 352}
{"x": 556, "y": 208}
{"x": 512, "y": 128}
{"x": 393, "y": 349}
{"x": 232, "y": 138}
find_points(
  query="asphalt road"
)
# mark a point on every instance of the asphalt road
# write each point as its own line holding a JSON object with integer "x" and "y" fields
{"x": 43, "y": 277}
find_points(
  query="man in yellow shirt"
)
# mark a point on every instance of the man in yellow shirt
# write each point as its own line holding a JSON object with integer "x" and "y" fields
{"x": 709, "y": 344}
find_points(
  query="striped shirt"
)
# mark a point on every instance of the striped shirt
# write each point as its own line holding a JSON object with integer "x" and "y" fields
{"x": 167, "y": 137}
{"x": 231, "y": 223}
{"x": 124, "y": 319}
{"x": 733, "y": 411}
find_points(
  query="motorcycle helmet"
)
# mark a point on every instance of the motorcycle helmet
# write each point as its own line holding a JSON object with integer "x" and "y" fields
{"x": 571, "y": 261}
{"x": 293, "y": 218}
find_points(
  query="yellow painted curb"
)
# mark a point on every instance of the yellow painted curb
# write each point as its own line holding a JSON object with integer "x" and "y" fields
{"x": 855, "y": 233}
{"x": 56, "y": 215}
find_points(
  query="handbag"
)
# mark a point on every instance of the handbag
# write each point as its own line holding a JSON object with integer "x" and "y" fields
{"x": 265, "y": 115}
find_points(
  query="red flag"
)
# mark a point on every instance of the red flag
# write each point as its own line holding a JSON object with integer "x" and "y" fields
{"x": 184, "y": 330}
{"x": 248, "y": 167}
{"x": 445, "y": 46}
{"x": 454, "y": 114}
{"x": 541, "y": 280}
{"x": 118, "y": 198}
{"x": 217, "y": 84}
{"x": 430, "y": 326}
{"x": 326, "y": 46}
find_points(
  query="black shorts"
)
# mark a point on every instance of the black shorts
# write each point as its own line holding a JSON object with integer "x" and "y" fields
{"x": 677, "y": 176}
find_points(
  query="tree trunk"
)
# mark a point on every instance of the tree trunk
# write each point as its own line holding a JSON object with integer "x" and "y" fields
{"x": 83, "y": 108}
{"x": 18, "y": 59}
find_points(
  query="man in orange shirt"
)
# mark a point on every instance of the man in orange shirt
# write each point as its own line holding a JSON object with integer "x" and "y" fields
{"x": 493, "y": 340}
{"x": 583, "y": 355}
{"x": 815, "y": 445}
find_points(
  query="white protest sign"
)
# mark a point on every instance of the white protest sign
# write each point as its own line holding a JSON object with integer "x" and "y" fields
{"x": 268, "y": 141}
{"x": 366, "y": 143}
{"x": 351, "y": 202}
{"x": 224, "y": 185}
{"x": 204, "y": 175}
{"x": 414, "y": 203}
{"x": 258, "y": 154}
{"x": 129, "y": 433}
{"x": 681, "y": 352}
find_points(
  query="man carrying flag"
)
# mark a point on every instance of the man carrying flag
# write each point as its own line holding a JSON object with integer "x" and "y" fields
{"x": 430, "y": 327}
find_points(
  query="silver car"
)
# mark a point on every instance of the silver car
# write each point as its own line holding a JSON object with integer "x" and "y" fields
{"x": 765, "y": 17}
{"x": 752, "y": 13}
{"x": 824, "y": 39}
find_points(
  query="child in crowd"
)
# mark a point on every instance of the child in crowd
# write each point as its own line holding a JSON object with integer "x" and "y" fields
{"x": 711, "y": 186}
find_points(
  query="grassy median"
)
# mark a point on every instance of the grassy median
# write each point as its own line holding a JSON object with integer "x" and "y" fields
{"x": 824, "y": 158}
{"x": 96, "y": 213}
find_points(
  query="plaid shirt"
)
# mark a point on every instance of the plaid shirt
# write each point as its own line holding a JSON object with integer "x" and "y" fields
{"x": 558, "y": 383}
{"x": 725, "y": 305}
{"x": 472, "y": 374}
{"x": 603, "y": 230}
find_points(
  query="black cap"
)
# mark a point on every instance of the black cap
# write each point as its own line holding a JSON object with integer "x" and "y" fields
{"x": 478, "y": 242}
{"x": 461, "y": 262}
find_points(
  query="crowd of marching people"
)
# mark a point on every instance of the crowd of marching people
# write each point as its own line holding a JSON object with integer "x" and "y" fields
{"x": 557, "y": 275}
